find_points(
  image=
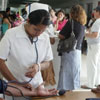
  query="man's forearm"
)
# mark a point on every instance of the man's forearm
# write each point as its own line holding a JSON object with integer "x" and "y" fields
{"x": 92, "y": 35}
{"x": 5, "y": 71}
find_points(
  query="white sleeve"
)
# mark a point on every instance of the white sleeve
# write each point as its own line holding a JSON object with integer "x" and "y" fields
{"x": 4, "y": 46}
{"x": 50, "y": 30}
{"x": 96, "y": 26}
{"x": 49, "y": 54}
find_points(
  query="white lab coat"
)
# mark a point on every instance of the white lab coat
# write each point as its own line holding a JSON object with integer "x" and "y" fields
{"x": 20, "y": 53}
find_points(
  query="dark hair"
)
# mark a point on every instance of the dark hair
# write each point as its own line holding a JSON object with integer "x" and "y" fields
{"x": 97, "y": 8}
{"x": 1, "y": 12}
{"x": 13, "y": 16}
{"x": 67, "y": 15}
{"x": 4, "y": 14}
{"x": 7, "y": 9}
{"x": 61, "y": 10}
{"x": 23, "y": 11}
{"x": 39, "y": 17}
{"x": 50, "y": 8}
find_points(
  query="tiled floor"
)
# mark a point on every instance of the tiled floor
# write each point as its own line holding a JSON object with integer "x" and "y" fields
{"x": 83, "y": 72}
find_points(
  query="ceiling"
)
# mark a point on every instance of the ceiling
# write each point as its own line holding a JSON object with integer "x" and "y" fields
{"x": 53, "y": 3}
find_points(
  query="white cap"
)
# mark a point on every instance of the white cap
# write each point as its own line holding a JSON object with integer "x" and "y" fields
{"x": 36, "y": 6}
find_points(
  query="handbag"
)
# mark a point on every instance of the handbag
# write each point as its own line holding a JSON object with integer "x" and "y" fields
{"x": 68, "y": 44}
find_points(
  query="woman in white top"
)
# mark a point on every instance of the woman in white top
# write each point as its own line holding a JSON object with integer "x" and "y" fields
{"x": 25, "y": 51}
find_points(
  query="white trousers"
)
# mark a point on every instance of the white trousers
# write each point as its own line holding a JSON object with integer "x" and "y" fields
{"x": 93, "y": 66}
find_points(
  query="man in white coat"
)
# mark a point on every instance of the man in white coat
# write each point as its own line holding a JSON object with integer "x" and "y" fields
{"x": 93, "y": 55}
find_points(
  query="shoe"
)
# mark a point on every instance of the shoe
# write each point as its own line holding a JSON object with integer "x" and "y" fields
{"x": 95, "y": 90}
{"x": 98, "y": 86}
{"x": 85, "y": 87}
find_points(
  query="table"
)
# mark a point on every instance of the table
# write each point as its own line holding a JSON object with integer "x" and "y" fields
{"x": 74, "y": 95}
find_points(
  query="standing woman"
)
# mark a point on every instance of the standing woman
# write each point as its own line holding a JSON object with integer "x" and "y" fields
{"x": 49, "y": 74}
{"x": 5, "y": 23}
{"x": 60, "y": 21}
{"x": 53, "y": 16}
{"x": 69, "y": 76}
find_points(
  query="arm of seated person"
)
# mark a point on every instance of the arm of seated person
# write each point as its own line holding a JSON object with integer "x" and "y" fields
{"x": 40, "y": 91}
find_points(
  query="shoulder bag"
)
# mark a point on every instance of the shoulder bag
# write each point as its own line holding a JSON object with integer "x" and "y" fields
{"x": 68, "y": 44}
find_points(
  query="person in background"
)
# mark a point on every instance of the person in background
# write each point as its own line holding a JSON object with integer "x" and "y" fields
{"x": 93, "y": 54}
{"x": 69, "y": 75}
{"x": 53, "y": 16}
{"x": 12, "y": 18}
{"x": 24, "y": 14}
{"x": 19, "y": 17}
{"x": 61, "y": 20}
{"x": 16, "y": 20}
{"x": 92, "y": 20}
{"x": 5, "y": 23}
{"x": 48, "y": 74}
{"x": 67, "y": 16}
{"x": 88, "y": 27}
{"x": 8, "y": 11}
{"x": 25, "y": 50}
{"x": 1, "y": 17}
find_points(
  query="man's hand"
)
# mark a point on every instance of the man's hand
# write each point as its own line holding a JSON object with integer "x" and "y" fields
{"x": 32, "y": 71}
{"x": 41, "y": 91}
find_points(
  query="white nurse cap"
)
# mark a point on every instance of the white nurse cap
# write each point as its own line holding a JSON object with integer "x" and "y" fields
{"x": 36, "y": 6}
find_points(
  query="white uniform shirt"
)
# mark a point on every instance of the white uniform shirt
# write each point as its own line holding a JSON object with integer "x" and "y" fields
{"x": 50, "y": 30}
{"x": 95, "y": 28}
{"x": 20, "y": 53}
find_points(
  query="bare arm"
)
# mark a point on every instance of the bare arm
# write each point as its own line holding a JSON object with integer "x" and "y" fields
{"x": 45, "y": 65}
{"x": 7, "y": 22}
{"x": 56, "y": 24}
{"x": 52, "y": 40}
{"x": 15, "y": 90}
{"x": 92, "y": 35}
{"x": 40, "y": 91}
{"x": 5, "y": 71}
{"x": 61, "y": 36}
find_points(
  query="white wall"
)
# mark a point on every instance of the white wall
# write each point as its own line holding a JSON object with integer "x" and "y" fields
{"x": 3, "y": 4}
{"x": 84, "y": 2}
{"x": 67, "y": 4}
{"x": 95, "y": 3}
